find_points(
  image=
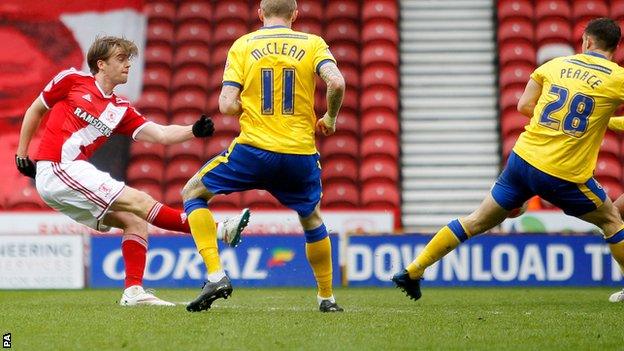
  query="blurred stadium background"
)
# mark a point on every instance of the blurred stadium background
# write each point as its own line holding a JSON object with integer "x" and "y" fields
{"x": 427, "y": 122}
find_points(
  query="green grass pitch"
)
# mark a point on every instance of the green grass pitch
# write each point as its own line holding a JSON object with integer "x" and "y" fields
{"x": 287, "y": 319}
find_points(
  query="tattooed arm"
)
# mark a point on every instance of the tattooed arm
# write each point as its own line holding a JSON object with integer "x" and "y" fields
{"x": 229, "y": 101}
{"x": 330, "y": 73}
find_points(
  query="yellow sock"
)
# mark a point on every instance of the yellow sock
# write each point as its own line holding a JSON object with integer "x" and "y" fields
{"x": 445, "y": 240}
{"x": 204, "y": 231}
{"x": 616, "y": 245}
{"x": 319, "y": 256}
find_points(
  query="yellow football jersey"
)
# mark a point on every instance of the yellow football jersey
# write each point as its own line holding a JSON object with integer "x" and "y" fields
{"x": 275, "y": 68}
{"x": 579, "y": 95}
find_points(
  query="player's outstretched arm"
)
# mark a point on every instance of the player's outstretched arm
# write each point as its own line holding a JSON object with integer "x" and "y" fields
{"x": 174, "y": 134}
{"x": 616, "y": 124}
{"x": 32, "y": 119}
{"x": 229, "y": 101}
{"x": 528, "y": 100}
{"x": 330, "y": 73}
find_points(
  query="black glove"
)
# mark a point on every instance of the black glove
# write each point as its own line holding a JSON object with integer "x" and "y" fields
{"x": 203, "y": 127}
{"x": 26, "y": 166}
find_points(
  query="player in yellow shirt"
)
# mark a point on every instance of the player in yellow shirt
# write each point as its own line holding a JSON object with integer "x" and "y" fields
{"x": 570, "y": 101}
{"x": 269, "y": 81}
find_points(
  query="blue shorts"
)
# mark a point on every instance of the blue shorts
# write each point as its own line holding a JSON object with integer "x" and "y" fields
{"x": 294, "y": 180}
{"x": 519, "y": 181}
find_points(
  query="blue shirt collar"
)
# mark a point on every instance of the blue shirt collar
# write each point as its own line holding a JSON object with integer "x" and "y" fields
{"x": 595, "y": 54}
{"x": 273, "y": 27}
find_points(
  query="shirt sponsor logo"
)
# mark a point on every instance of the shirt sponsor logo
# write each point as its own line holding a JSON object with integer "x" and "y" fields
{"x": 93, "y": 121}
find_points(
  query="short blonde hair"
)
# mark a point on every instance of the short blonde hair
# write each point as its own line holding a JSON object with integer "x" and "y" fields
{"x": 104, "y": 47}
{"x": 278, "y": 8}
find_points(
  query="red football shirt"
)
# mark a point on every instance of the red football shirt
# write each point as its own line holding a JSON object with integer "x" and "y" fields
{"x": 82, "y": 117}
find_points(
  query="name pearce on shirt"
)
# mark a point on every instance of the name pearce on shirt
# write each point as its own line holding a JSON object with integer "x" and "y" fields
{"x": 93, "y": 121}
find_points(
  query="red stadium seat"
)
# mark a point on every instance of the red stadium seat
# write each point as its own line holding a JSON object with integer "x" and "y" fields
{"x": 144, "y": 149}
{"x": 380, "y": 195}
{"x": 228, "y": 31}
{"x": 380, "y": 75}
{"x": 199, "y": 11}
{"x": 379, "y": 169}
{"x": 350, "y": 100}
{"x": 25, "y": 199}
{"x": 380, "y": 145}
{"x": 510, "y": 97}
{"x": 508, "y": 143}
{"x": 232, "y": 10}
{"x": 310, "y": 10}
{"x": 343, "y": 10}
{"x": 193, "y": 33}
{"x": 339, "y": 168}
{"x": 190, "y": 77}
{"x": 340, "y": 145}
{"x": 553, "y": 8}
{"x": 608, "y": 166}
{"x": 516, "y": 30}
{"x": 145, "y": 171}
{"x": 346, "y": 53}
{"x": 343, "y": 30}
{"x": 159, "y": 32}
{"x": 179, "y": 171}
{"x": 515, "y": 75}
{"x": 385, "y": 9}
{"x": 219, "y": 56}
{"x": 217, "y": 144}
{"x": 192, "y": 55}
{"x": 348, "y": 123}
{"x": 380, "y": 30}
{"x": 380, "y": 53}
{"x": 152, "y": 189}
{"x": 153, "y": 101}
{"x": 160, "y": 10}
{"x": 379, "y": 122}
{"x": 312, "y": 26}
{"x": 610, "y": 144}
{"x": 617, "y": 9}
{"x": 159, "y": 55}
{"x": 351, "y": 76}
{"x": 226, "y": 202}
{"x": 611, "y": 187}
{"x": 189, "y": 100}
{"x": 577, "y": 31}
{"x": 550, "y": 51}
{"x": 259, "y": 199}
{"x": 192, "y": 149}
{"x": 185, "y": 118}
{"x": 157, "y": 117}
{"x": 340, "y": 195}
{"x": 156, "y": 78}
{"x": 381, "y": 98}
{"x": 515, "y": 9}
{"x": 589, "y": 9}
{"x": 173, "y": 195}
{"x": 518, "y": 52}
{"x": 216, "y": 77}
{"x": 513, "y": 123}
{"x": 226, "y": 124}
{"x": 553, "y": 31}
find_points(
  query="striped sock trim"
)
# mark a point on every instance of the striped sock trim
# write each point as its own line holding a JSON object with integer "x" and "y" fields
{"x": 134, "y": 237}
{"x": 616, "y": 238}
{"x": 151, "y": 215}
{"x": 457, "y": 229}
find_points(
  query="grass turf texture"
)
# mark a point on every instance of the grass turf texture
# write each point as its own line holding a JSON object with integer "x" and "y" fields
{"x": 287, "y": 319}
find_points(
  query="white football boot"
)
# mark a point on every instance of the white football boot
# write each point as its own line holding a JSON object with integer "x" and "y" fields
{"x": 136, "y": 296}
{"x": 229, "y": 231}
{"x": 617, "y": 297}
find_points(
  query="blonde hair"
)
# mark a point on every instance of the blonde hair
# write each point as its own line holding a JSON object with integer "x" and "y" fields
{"x": 104, "y": 47}
{"x": 278, "y": 8}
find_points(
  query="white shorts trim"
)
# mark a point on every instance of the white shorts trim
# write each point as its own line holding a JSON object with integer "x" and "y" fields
{"x": 79, "y": 190}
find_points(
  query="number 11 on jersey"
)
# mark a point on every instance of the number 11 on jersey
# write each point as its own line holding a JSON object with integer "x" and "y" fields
{"x": 268, "y": 91}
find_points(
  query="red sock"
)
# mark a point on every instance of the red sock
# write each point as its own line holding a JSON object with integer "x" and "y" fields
{"x": 133, "y": 250}
{"x": 168, "y": 218}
